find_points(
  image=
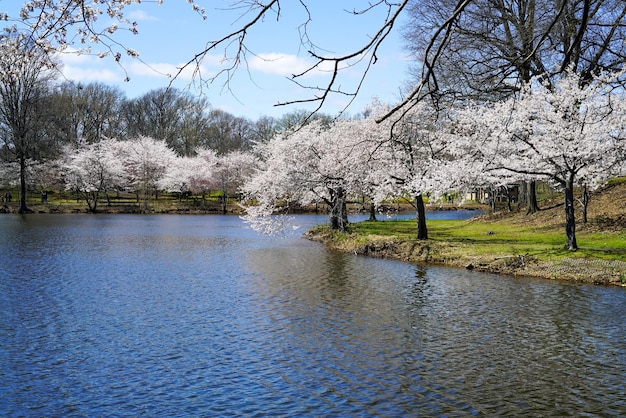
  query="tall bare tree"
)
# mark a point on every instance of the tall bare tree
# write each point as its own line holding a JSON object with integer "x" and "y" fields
{"x": 24, "y": 80}
{"x": 489, "y": 48}
{"x": 227, "y": 132}
{"x": 170, "y": 115}
{"x": 86, "y": 113}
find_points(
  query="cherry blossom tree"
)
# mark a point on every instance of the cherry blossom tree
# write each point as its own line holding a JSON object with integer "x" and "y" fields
{"x": 9, "y": 177}
{"x": 93, "y": 170}
{"x": 196, "y": 174}
{"x": 369, "y": 172}
{"x": 564, "y": 133}
{"x": 315, "y": 163}
{"x": 230, "y": 171}
{"x": 330, "y": 163}
{"x": 81, "y": 27}
{"x": 177, "y": 176}
{"x": 202, "y": 180}
{"x": 418, "y": 158}
{"x": 145, "y": 161}
{"x": 45, "y": 176}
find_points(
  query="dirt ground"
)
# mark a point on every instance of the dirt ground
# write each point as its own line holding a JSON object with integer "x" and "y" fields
{"x": 606, "y": 212}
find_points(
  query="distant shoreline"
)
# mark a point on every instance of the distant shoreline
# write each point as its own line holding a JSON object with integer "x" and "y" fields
{"x": 206, "y": 208}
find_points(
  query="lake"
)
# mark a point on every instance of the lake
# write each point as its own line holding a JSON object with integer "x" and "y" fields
{"x": 177, "y": 316}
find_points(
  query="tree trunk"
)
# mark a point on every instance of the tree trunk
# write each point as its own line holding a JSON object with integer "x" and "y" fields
{"x": 23, "y": 207}
{"x": 338, "y": 213}
{"x": 531, "y": 198}
{"x": 92, "y": 201}
{"x": 521, "y": 194}
{"x": 224, "y": 202}
{"x": 508, "y": 198}
{"x": 585, "y": 202}
{"x": 422, "y": 231}
{"x": 570, "y": 220}
{"x": 372, "y": 212}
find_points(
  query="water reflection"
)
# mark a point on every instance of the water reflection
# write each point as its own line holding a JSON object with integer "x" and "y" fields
{"x": 198, "y": 316}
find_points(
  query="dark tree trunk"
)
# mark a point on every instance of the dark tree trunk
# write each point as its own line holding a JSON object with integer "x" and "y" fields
{"x": 570, "y": 220}
{"x": 23, "y": 207}
{"x": 422, "y": 231}
{"x": 372, "y": 212}
{"x": 224, "y": 202}
{"x": 584, "y": 200}
{"x": 531, "y": 198}
{"x": 338, "y": 213}
{"x": 508, "y": 198}
{"x": 92, "y": 201}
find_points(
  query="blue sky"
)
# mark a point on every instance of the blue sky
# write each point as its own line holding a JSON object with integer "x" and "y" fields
{"x": 171, "y": 33}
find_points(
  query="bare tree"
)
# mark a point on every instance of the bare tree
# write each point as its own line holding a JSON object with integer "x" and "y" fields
{"x": 170, "y": 115}
{"x": 86, "y": 113}
{"x": 24, "y": 80}
{"x": 236, "y": 50}
{"x": 489, "y": 48}
{"x": 226, "y": 133}
{"x": 264, "y": 129}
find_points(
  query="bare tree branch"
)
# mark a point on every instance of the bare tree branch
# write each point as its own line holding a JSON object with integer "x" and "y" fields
{"x": 237, "y": 40}
{"x": 428, "y": 73}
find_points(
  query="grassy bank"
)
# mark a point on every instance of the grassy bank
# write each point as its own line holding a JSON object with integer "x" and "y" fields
{"x": 508, "y": 243}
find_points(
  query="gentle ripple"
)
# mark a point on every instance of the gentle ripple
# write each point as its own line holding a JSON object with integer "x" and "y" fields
{"x": 199, "y": 316}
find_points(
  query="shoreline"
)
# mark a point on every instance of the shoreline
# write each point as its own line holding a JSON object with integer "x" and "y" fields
{"x": 429, "y": 252}
{"x": 209, "y": 208}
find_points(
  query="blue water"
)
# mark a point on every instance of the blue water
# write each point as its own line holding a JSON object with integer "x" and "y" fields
{"x": 126, "y": 315}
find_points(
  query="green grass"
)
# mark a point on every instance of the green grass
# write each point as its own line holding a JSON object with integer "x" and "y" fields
{"x": 505, "y": 238}
{"x": 617, "y": 180}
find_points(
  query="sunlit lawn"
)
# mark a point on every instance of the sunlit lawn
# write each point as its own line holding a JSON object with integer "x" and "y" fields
{"x": 499, "y": 237}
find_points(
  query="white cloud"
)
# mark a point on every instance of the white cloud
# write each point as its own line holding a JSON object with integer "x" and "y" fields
{"x": 279, "y": 64}
{"x": 83, "y": 74}
{"x": 72, "y": 56}
{"x": 87, "y": 68}
{"x": 140, "y": 15}
{"x": 163, "y": 69}
{"x": 208, "y": 68}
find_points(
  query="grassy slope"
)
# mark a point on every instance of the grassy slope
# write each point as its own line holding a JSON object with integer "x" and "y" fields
{"x": 511, "y": 243}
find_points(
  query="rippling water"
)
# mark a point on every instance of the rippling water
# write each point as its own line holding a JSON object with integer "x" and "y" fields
{"x": 199, "y": 316}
